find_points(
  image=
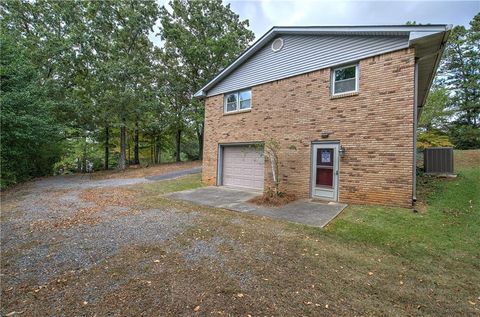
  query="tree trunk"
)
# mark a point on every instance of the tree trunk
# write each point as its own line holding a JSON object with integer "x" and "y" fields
{"x": 84, "y": 167}
{"x": 178, "y": 138}
{"x": 151, "y": 150}
{"x": 123, "y": 146}
{"x": 159, "y": 151}
{"x": 129, "y": 160}
{"x": 200, "y": 142}
{"x": 107, "y": 150}
{"x": 136, "y": 159}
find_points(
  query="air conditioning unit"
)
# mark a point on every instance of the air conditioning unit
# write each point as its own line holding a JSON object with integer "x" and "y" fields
{"x": 438, "y": 160}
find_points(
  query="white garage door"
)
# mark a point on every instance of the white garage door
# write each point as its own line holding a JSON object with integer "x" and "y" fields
{"x": 243, "y": 166}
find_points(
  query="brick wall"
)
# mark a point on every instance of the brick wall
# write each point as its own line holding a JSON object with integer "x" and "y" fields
{"x": 375, "y": 126}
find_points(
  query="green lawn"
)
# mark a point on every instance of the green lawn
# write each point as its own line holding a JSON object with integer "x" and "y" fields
{"x": 372, "y": 260}
{"x": 447, "y": 227}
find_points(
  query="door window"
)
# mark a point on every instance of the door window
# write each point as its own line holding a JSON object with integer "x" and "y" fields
{"x": 324, "y": 168}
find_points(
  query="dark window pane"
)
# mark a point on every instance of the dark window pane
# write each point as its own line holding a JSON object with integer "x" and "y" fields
{"x": 345, "y": 86}
{"x": 324, "y": 177}
{"x": 345, "y": 73}
{"x": 231, "y": 106}
{"x": 232, "y": 98}
{"x": 231, "y": 101}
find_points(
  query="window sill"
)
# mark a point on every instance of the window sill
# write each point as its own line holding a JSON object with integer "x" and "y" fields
{"x": 346, "y": 94}
{"x": 237, "y": 112}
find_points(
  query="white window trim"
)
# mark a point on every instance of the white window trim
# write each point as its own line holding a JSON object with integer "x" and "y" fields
{"x": 356, "y": 80}
{"x": 237, "y": 108}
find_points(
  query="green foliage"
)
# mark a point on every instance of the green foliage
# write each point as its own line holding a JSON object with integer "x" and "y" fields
{"x": 82, "y": 80}
{"x": 465, "y": 136}
{"x": 460, "y": 71}
{"x": 201, "y": 38}
{"x": 30, "y": 133}
{"x": 435, "y": 113}
{"x": 432, "y": 138}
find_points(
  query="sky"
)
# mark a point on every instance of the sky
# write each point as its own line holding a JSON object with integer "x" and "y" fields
{"x": 263, "y": 14}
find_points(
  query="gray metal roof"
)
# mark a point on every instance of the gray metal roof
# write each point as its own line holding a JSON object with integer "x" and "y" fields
{"x": 428, "y": 41}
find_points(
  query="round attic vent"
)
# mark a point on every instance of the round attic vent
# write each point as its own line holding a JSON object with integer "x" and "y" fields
{"x": 277, "y": 44}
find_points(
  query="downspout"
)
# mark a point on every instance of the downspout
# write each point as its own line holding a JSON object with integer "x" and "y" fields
{"x": 415, "y": 110}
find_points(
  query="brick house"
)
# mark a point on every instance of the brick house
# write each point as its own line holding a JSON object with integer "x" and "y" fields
{"x": 342, "y": 102}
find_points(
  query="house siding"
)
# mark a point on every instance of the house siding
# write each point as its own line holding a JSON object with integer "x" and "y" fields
{"x": 305, "y": 53}
{"x": 375, "y": 127}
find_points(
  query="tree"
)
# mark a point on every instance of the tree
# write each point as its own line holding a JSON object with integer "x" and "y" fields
{"x": 461, "y": 71}
{"x": 201, "y": 38}
{"x": 272, "y": 149}
{"x": 435, "y": 113}
{"x": 30, "y": 134}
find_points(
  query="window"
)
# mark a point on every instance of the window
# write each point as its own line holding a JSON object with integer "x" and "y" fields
{"x": 345, "y": 79}
{"x": 239, "y": 100}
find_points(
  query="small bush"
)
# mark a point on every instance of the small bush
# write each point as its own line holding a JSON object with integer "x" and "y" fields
{"x": 272, "y": 198}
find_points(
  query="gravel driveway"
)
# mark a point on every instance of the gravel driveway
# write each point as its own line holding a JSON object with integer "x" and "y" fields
{"x": 65, "y": 225}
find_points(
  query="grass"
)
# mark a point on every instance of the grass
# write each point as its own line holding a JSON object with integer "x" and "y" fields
{"x": 371, "y": 261}
{"x": 449, "y": 228}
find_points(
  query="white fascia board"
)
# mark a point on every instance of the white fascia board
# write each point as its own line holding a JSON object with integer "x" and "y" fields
{"x": 416, "y": 36}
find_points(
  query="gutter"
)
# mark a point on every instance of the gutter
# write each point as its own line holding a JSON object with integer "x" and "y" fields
{"x": 417, "y": 108}
{"x": 415, "y": 125}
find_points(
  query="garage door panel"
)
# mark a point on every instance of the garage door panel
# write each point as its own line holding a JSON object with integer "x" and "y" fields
{"x": 243, "y": 166}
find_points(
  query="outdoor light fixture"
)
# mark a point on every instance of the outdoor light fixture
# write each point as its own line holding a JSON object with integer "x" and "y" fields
{"x": 325, "y": 134}
{"x": 342, "y": 151}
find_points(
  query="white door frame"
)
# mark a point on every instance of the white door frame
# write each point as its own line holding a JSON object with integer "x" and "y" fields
{"x": 320, "y": 192}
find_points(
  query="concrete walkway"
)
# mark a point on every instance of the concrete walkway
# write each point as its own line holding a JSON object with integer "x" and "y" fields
{"x": 301, "y": 211}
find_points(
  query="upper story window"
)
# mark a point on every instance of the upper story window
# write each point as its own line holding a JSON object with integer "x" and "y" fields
{"x": 238, "y": 100}
{"x": 345, "y": 79}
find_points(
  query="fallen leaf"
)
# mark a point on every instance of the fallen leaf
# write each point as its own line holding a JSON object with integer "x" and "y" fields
{"x": 197, "y": 308}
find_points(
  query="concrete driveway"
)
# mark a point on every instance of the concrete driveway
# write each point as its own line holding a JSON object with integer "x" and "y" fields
{"x": 304, "y": 211}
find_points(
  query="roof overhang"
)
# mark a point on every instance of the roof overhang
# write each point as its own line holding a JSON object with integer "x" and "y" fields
{"x": 427, "y": 39}
{"x": 429, "y": 47}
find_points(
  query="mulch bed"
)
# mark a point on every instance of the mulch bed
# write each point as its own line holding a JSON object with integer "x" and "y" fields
{"x": 271, "y": 200}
